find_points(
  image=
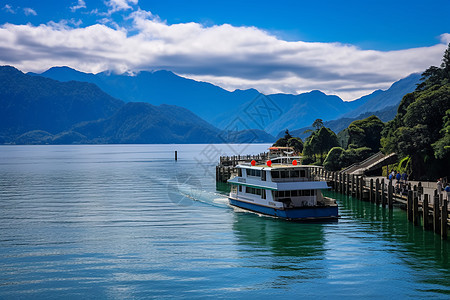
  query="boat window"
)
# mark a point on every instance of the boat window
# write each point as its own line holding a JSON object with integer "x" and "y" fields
{"x": 240, "y": 188}
{"x": 294, "y": 193}
{"x": 263, "y": 194}
{"x": 253, "y": 172}
{"x": 307, "y": 193}
{"x": 254, "y": 191}
{"x": 275, "y": 174}
{"x": 263, "y": 175}
{"x": 294, "y": 173}
{"x": 302, "y": 173}
{"x": 239, "y": 172}
{"x": 283, "y": 174}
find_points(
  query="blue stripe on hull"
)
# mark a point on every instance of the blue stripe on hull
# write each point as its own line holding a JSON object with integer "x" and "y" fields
{"x": 318, "y": 212}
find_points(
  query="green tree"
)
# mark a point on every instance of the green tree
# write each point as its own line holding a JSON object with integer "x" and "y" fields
{"x": 319, "y": 143}
{"x": 366, "y": 133}
{"x": 317, "y": 124}
{"x": 296, "y": 143}
{"x": 420, "y": 128}
{"x": 442, "y": 146}
{"x": 333, "y": 160}
{"x": 283, "y": 141}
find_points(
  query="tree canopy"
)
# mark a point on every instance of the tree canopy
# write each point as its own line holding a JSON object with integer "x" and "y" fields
{"x": 420, "y": 130}
{"x": 319, "y": 143}
{"x": 289, "y": 141}
{"x": 366, "y": 133}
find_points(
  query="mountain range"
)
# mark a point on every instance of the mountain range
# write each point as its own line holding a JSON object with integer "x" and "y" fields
{"x": 40, "y": 110}
{"x": 63, "y": 105}
{"x": 222, "y": 108}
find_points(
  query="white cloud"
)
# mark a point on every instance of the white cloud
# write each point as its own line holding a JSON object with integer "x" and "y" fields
{"x": 9, "y": 8}
{"x": 29, "y": 11}
{"x": 232, "y": 57}
{"x": 118, "y": 5}
{"x": 79, "y": 5}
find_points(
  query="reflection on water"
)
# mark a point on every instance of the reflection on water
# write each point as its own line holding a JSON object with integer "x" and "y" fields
{"x": 279, "y": 237}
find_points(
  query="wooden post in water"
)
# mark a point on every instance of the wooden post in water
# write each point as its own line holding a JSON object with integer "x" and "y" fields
{"x": 444, "y": 213}
{"x": 176, "y": 155}
{"x": 383, "y": 195}
{"x": 346, "y": 183}
{"x": 353, "y": 185}
{"x": 425, "y": 210}
{"x": 371, "y": 190}
{"x": 339, "y": 182}
{"x": 436, "y": 215}
{"x": 416, "y": 209}
{"x": 357, "y": 187}
{"x": 409, "y": 208}
{"x": 390, "y": 190}
{"x": 377, "y": 191}
{"x": 361, "y": 186}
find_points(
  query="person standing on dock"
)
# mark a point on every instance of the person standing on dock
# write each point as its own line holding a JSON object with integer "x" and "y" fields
{"x": 447, "y": 189}
{"x": 439, "y": 187}
{"x": 404, "y": 177}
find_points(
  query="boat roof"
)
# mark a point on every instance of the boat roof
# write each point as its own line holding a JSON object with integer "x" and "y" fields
{"x": 273, "y": 166}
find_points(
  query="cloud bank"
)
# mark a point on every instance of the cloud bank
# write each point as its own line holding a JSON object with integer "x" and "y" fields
{"x": 229, "y": 56}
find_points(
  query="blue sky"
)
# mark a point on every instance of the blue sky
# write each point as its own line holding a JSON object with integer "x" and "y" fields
{"x": 348, "y": 48}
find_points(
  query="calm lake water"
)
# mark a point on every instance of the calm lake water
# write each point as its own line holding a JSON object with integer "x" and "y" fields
{"x": 127, "y": 221}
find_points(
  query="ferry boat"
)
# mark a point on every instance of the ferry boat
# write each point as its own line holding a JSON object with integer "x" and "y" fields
{"x": 281, "y": 188}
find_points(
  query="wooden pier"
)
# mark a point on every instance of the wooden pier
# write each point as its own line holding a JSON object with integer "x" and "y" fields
{"x": 429, "y": 211}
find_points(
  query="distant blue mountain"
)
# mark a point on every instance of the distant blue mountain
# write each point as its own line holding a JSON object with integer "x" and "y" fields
{"x": 390, "y": 97}
{"x": 214, "y": 104}
{"x": 241, "y": 109}
{"x": 160, "y": 87}
{"x": 39, "y": 110}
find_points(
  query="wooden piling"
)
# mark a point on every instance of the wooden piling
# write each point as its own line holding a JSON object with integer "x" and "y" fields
{"x": 371, "y": 191}
{"x": 416, "y": 209}
{"x": 176, "y": 155}
{"x": 353, "y": 193}
{"x": 425, "y": 211}
{"x": 377, "y": 191}
{"x": 409, "y": 205}
{"x": 390, "y": 196}
{"x": 357, "y": 188}
{"x": 444, "y": 213}
{"x": 436, "y": 215}
{"x": 383, "y": 195}
{"x": 361, "y": 187}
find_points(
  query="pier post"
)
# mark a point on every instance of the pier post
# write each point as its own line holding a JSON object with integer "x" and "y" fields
{"x": 390, "y": 191}
{"x": 353, "y": 185}
{"x": 416, "y": 209}
{"x": 409, "y": 205}
{"x": 377, "y": 191}
{"x": 176, "y": 155}
{"x": 361, "y": 187}
{"x": 444, "y": 213}
{"x": 345, "y": 183}
{"x": 371, "y": 190}
{"x": 425, "y": 210}
{"x": 436, "y": 215}
{"x": 383, "y": 195}
{"x": 357, "y": 188}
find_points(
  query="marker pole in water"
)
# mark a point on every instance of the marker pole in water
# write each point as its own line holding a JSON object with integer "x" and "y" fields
{"x": 176, "y": 155}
